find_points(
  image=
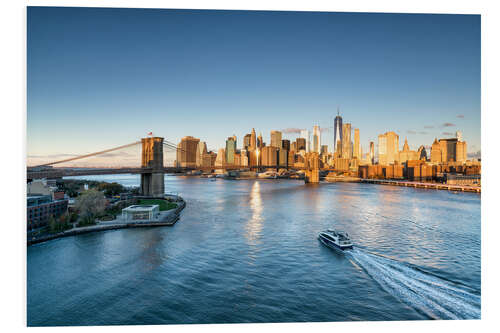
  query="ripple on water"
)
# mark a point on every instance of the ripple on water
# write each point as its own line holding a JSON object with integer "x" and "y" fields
{"x": 247, "y": 251}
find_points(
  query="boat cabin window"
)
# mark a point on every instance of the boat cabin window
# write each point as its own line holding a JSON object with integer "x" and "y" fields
{"x": 328, "y": 237}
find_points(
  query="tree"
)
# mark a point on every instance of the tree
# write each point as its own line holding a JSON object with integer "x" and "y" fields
{"x": 73, "y": 217}
{"x": 52, "y": 224}
{"x": 111, "y": 189}
{"x": 90, "y": 203}
{"x": 59, "y": 224}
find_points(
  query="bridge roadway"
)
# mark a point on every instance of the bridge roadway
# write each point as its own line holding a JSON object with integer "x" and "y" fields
{"x": 66, "y": 172}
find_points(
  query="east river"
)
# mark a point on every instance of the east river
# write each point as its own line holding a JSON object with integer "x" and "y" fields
{"x": 247, "y": 251}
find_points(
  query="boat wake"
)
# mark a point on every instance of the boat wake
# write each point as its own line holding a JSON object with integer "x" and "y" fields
{"x": 427, "y": 293}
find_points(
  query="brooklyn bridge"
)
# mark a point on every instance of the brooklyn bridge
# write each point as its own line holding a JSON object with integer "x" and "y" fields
{"x": 152, "y": 168}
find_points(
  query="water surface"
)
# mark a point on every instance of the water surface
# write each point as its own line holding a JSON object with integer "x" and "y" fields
{"x": 247, "y": 251}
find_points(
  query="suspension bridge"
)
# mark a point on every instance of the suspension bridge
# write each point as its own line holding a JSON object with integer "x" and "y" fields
{"x": 152, "y": 168}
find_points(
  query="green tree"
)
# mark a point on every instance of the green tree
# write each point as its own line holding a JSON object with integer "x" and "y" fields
{"x": 60, "y": 224}
{"x": 90, "y": 203}
{"x": 111, "y": 189}
{"x": 86, "y": 220}
{"x": 52, "y": 224}
{"x": 73, "y": 217}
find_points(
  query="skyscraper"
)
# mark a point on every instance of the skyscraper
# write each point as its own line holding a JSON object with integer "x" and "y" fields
{"x": 285, "y": 144}
{"x": 246, "y": 141}
{"x": 422, "y": 153}
{"x": 357, "y": 148}
{"x": 301, "y": 144}
{"x": 388, "y": 148}
{"x": 187, "y": 151}
{"x": 305, "y": 135}
{"x": 406, "y": 154}
{"x": 337, "y": 131}
{"x": 244, "y": 158}
{"x": 372, "y": 152}
{"x": 260, "y": 142}
{"x": 200, "y": 153}
{"x": 346, "y": 141}
{"x": 461, "y": 151}
{"x": 269, "y": 156}
{"x": 230, "y": 149}
{"x": 221, "y": 158}
{"x": 436, "y": 152}
{"x": 448, "y": 150}
{"x": 276, "y": 139}
{"x": 253, "y": 140}
{"x": 316, "y": 139}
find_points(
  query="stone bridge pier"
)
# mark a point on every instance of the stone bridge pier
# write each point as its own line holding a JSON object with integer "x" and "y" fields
{"x": 311, "y": 164}
{"x": 152, "y": 176}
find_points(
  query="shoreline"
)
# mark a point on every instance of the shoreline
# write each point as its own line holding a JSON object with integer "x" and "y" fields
{"x": 390, "y": 182}
{"x": 171, "y": 219}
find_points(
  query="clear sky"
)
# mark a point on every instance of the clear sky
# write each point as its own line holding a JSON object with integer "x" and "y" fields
{"x": 99, "y": 78}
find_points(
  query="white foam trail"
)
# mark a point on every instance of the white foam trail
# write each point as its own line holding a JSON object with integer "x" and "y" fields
{"x": 436, "y": 297}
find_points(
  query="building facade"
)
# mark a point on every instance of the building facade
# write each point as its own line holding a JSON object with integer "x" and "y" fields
{"x": 388, "y": 148}
{"x": 269, "y": 156}
{"x": 276, "y": 139}
{"x": 200, "y": 153}
{"x": 406, "y": 154}
{"x": 337, "y": 132}
{"x": 253, "y": 140}
{"x": 186, "y": 152}
{"x": 372, "y": 152}
{"x": 304, "y": 134}
{"x": 346, "y": 141}
{"x": 316, "y": 140}
{"x": 301, "y": 144}
{"x": 357, "y": 147}
{"x": 230, "y": 149}
{"x": 246, "y": 141}
{"x": 41, "y": 207}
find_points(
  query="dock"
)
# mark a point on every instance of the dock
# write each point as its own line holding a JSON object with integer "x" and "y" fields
{"x": 435, "y": 186}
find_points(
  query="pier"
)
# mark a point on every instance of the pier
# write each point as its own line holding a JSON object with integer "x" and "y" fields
{"x": 435, "y": 186}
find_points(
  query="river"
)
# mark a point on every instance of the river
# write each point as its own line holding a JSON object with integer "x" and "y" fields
{"x": 247, "y": 251}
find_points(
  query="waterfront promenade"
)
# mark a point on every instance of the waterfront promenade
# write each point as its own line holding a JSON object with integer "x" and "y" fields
{"x": 167, "y": 218}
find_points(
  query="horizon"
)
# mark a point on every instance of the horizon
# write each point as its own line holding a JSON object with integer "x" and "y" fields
{"x": 99, "y": 77}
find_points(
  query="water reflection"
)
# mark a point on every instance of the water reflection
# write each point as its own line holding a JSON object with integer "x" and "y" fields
{"x": 254, "y": 226}
{"x": 251, "y": 246}
{"x": 152, "y": 254}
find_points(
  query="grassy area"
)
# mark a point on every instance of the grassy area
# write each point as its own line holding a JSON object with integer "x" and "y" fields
{"x": 164, "y": 205}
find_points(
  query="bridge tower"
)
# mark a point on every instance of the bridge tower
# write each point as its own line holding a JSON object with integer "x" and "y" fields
{"x": 311, "y": 163}
{"x": 152, "y": 176}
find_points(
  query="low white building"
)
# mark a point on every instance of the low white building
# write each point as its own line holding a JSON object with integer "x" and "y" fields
{"x": 141, "y": 212}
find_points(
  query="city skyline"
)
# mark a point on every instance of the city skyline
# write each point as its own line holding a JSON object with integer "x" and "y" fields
{"x": 207, "y": 80}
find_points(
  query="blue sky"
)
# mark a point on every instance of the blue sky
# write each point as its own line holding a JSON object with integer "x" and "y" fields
{"x": 99, "y": 78}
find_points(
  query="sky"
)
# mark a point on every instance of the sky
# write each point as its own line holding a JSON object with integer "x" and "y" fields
{"x": 103, "y": 77}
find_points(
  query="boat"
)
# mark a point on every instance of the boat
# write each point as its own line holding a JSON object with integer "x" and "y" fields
{"x": 337, "y": 240}
{"x": 268, "y": 175}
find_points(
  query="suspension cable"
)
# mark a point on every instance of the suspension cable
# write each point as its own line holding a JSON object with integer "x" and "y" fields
{"x": 89, "y": 155}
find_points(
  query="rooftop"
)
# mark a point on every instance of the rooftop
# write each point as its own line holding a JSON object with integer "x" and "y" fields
{"x": 141, "y": 207}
